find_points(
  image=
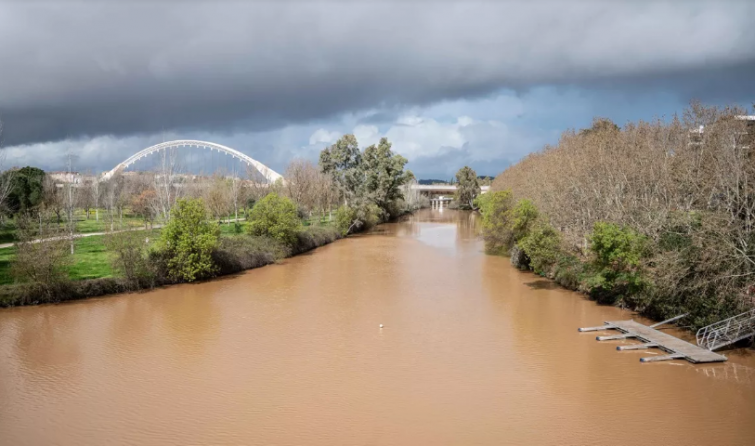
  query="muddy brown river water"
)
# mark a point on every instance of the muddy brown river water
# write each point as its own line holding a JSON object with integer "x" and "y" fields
{"x": 473, "y": 352}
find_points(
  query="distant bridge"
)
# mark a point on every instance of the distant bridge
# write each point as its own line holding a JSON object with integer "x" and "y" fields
{"x": 265, "y": 171}
{"x": 441, "y": 189}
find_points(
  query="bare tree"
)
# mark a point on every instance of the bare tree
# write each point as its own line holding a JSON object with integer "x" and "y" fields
{"x": 165, "y": 181}
{"x": 70, "y": 192}
{"x": 112, "y": 196}
{"x": 217, "y": 196}
{"x": 236, "y": 192}
{"x": 52, "y": 199}
{"x": 6, "y": 177}
{"x": 95, "y": 193}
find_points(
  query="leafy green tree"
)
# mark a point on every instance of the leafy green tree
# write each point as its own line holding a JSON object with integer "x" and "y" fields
{"x": 187, "y": 241}
{"x": 467, "y": 188}
{"x": 373, "y": 176}
{"x": 383, "y": 174}
{"x": 277, "y": 217}
{"x": 497, "y": 220}
{"x": 542, "y": 245}
{"x": 525, "y": 215}
{"x": 617, "y": 264}
{"x": 342, "y": 161}
{"x": 27, "y": 189}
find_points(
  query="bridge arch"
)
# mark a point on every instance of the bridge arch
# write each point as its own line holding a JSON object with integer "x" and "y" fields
{"x": 267, "y": 172}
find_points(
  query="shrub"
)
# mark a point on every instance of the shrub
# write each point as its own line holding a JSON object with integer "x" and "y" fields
{"x": 542, "y": 246}
{"x": 130, "y": 256}
{"x": 187, "y": 242}
{"x": 241, "y": 252}
{"x": 497, "y": 221}
{"x": 276, "y": 217}
{"x": 315, "y": 236}
{"x": 568, "y": 271}
{"x": 524, "y": 216}
{"x": 346, "y": 219}
{"x": 616, "y": 269}
{"x": 350, "y": 219}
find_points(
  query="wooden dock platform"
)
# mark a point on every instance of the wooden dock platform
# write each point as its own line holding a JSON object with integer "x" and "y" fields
{"x": 675, "y": 347}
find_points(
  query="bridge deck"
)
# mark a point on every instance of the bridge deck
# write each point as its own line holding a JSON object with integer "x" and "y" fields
{"x": 677, "y": 348}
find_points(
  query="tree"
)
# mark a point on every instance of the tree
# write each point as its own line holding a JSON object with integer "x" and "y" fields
{"x": 165, "y": 181}
{"x": 302, "y": 183}
{"x": 342, "y": 161}
{"x": 467, "y": 188}
{"x": 374, "y": 176}
{"x": 275, "y": 216}
{"x": 187, "y": 241}
{"x": 142, "y": 205}
{"x": 6, "y": 178}
{"x": 96, "y": 193}
{"x": 70, "y": 193}
{"x": 383, "y": 174}
{"x": 52, "y": 198}
{"x": 497, "y": 219}
{"x": 236, "y": 192}
{"x": 26, "y": 190}
{"x": 218, "y": 197}
{"x": 129, "y": 255}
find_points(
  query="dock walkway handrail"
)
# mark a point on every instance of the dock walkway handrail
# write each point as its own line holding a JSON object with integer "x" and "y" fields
{"x": 727, "y": 331}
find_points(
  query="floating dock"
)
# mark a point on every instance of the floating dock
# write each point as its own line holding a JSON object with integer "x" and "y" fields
{"x": 652, "y": 338}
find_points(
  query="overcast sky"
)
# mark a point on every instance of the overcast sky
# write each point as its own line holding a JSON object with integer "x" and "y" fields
{"x": 448, "y": 83}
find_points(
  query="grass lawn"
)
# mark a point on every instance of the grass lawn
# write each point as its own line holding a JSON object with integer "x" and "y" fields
{"x": 83, "y": 225}
{"x": 90, "y": 260}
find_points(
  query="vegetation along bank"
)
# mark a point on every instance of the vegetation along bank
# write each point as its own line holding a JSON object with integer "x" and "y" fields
{"x": 655, "y": 216}
{"x": 187, "y": 231}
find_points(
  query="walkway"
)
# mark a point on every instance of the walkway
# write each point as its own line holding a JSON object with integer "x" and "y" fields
{"x": 675, "y": 347}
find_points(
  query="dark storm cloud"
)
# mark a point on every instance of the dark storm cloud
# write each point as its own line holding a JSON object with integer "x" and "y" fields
{"x": 69, "y": 69}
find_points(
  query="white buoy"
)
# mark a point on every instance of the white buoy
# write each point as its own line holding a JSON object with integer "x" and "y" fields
{"x": 381, "y": 325}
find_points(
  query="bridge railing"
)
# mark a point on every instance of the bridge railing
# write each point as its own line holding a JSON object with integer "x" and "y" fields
{"x": 727, "y": 331}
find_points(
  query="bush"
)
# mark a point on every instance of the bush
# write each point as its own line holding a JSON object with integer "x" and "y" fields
{"x": 346, "y": 220}
{"x": 497, "y": 221}
{"x": 130, "y": 256}
{"x": 351, "y": 219}
{"x": 525, "y": 215}
{"x": 276, "y": 217}
{"x": 238, "y": 253}
{"x": 315, "y": 236}
{"x": 616, "y": 269}
{"x": 187, "y": 241}
{"x": 542, "y": 246}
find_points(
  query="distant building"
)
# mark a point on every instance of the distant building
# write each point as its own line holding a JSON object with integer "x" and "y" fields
{"x": 65, "y": 177}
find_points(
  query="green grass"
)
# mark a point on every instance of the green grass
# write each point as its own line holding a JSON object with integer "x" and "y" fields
{"x": 91, "y": 259}
{"x": 84, "y": 225}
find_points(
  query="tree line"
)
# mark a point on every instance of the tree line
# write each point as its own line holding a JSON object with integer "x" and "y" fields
{"x": 655, "y": 216}
{"x": 349, "y": 190}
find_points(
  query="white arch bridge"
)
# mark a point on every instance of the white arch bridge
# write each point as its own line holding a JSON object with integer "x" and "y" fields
{"x": 265, "y": 171}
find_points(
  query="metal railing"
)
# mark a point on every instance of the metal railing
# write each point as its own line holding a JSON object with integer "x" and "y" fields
{"x": 727, "y": 331}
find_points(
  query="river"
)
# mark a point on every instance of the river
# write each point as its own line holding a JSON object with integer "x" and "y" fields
{"x": 472, "y": 352}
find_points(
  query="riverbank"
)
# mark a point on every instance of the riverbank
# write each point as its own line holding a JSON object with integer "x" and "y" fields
{"x": 235, "y": 253}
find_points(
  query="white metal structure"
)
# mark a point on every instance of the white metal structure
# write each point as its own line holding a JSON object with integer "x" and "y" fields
{"x": 727, "y": 331}
{"x": 450, "y": 188}
{"x": 267, "y": 172}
